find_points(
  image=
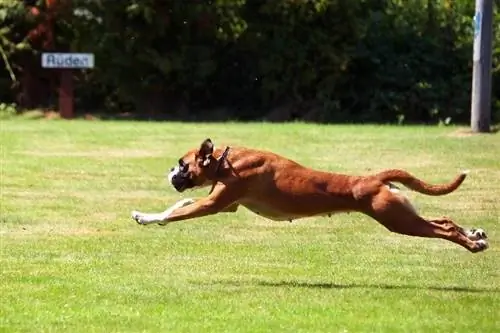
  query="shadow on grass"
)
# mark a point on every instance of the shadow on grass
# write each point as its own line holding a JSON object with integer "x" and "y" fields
{"x": 321, "y": 285}
{"x": 328, "y": 285}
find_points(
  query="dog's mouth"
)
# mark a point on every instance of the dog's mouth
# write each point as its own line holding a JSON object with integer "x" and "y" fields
{"x": 180, "y": 185}
{"x": 180, "y": 179}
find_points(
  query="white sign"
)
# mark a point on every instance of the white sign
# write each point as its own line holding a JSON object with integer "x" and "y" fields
{"x": 67, "y": 60}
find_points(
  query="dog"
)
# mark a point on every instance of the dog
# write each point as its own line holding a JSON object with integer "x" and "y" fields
{"x": 280, "y": 189}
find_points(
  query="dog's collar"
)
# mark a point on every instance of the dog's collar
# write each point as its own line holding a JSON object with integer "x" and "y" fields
{"x": 220, "y": 161}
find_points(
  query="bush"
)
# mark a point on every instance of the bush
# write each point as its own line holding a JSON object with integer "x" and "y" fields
{"x": 322, "y": 60}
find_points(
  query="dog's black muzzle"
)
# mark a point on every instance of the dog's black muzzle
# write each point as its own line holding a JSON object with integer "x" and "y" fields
{"x": 181, "y": 182}
{"x": 180, "y": 177}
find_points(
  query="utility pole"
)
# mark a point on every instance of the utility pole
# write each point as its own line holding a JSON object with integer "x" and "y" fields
{"x": 481, "y": 73}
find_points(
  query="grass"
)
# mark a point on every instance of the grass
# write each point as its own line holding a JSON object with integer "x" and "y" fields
{"x": 73, "y": 260}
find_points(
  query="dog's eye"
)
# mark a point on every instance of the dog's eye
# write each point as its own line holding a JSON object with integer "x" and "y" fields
{"x": 184, "y": 167}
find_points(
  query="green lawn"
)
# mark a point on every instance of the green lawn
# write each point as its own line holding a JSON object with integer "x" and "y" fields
{"x": 74, "y": 261}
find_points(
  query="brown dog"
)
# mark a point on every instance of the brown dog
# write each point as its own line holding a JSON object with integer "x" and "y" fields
{"x": 280, "y": 189}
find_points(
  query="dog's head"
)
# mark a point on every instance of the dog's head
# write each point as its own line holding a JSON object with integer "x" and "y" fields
{"x": 194, "y": 168}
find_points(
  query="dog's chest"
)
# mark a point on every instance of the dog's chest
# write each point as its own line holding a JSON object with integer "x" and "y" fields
{"x": 268, "y": 211}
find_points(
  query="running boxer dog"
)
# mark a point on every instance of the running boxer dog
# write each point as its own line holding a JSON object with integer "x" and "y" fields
{"x": 281, "y": 189}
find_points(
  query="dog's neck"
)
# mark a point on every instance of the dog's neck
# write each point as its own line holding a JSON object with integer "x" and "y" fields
{"x": 219, "y": 165}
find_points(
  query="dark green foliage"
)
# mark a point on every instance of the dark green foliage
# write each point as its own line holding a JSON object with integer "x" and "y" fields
{"x": 323, "y": 60}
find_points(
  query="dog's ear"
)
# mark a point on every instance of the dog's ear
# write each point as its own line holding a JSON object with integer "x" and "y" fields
{"x": 206, "y": 148}
{"x": 205, "y": 152}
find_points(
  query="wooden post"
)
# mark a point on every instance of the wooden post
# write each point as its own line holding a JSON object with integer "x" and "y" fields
{"x": 66, "y": 100}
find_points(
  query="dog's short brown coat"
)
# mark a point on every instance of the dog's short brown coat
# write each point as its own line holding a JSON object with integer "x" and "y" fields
{"x": 280, "y": 189}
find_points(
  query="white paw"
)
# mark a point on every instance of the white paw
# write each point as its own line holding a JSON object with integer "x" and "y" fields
{"x": 136, "y": 215}
{"x": 160, "y": 218}
{"x": 142, "y": 218}
{"x": 482, "y": 244}
{"x": 476, "y": 234}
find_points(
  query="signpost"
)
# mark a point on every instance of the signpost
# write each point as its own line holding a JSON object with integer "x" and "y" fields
{"x": 481, "y": 75}
{"x": 66, "y": 63}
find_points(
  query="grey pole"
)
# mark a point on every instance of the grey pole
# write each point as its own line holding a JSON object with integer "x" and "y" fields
{"x": 481, "y": 73}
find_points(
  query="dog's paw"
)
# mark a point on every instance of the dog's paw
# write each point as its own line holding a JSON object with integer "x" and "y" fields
{"x": 476, "y": 234}
{"x": 481, "y": 245}
{"x": 136, "y": 216}
{"x": 141, "y": 218}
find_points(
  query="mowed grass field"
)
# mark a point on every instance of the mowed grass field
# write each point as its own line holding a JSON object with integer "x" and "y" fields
{"x": 72, "y": 259}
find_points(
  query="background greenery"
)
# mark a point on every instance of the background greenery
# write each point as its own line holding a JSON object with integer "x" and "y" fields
{"x": 322, "y": 60}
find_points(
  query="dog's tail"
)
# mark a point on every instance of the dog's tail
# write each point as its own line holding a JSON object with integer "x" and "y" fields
{"x": 418, "y": 185}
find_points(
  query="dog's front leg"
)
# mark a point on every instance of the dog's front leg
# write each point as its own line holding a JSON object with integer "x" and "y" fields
{"x": 151, "y": 218}
{"x": 202, "y": 207}
{"x": 221, "y": 200}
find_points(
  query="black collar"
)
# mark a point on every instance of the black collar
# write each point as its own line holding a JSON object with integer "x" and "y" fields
{"x": 220, "y": 161}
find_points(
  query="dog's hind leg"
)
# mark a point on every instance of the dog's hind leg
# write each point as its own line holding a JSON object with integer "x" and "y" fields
{"x": 473, "y": 234}
{"x": 397, "y": 217}
{"x": 401, "y": 196}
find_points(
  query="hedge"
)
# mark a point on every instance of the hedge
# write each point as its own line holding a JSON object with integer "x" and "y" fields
{"x": 326, "y": 60}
